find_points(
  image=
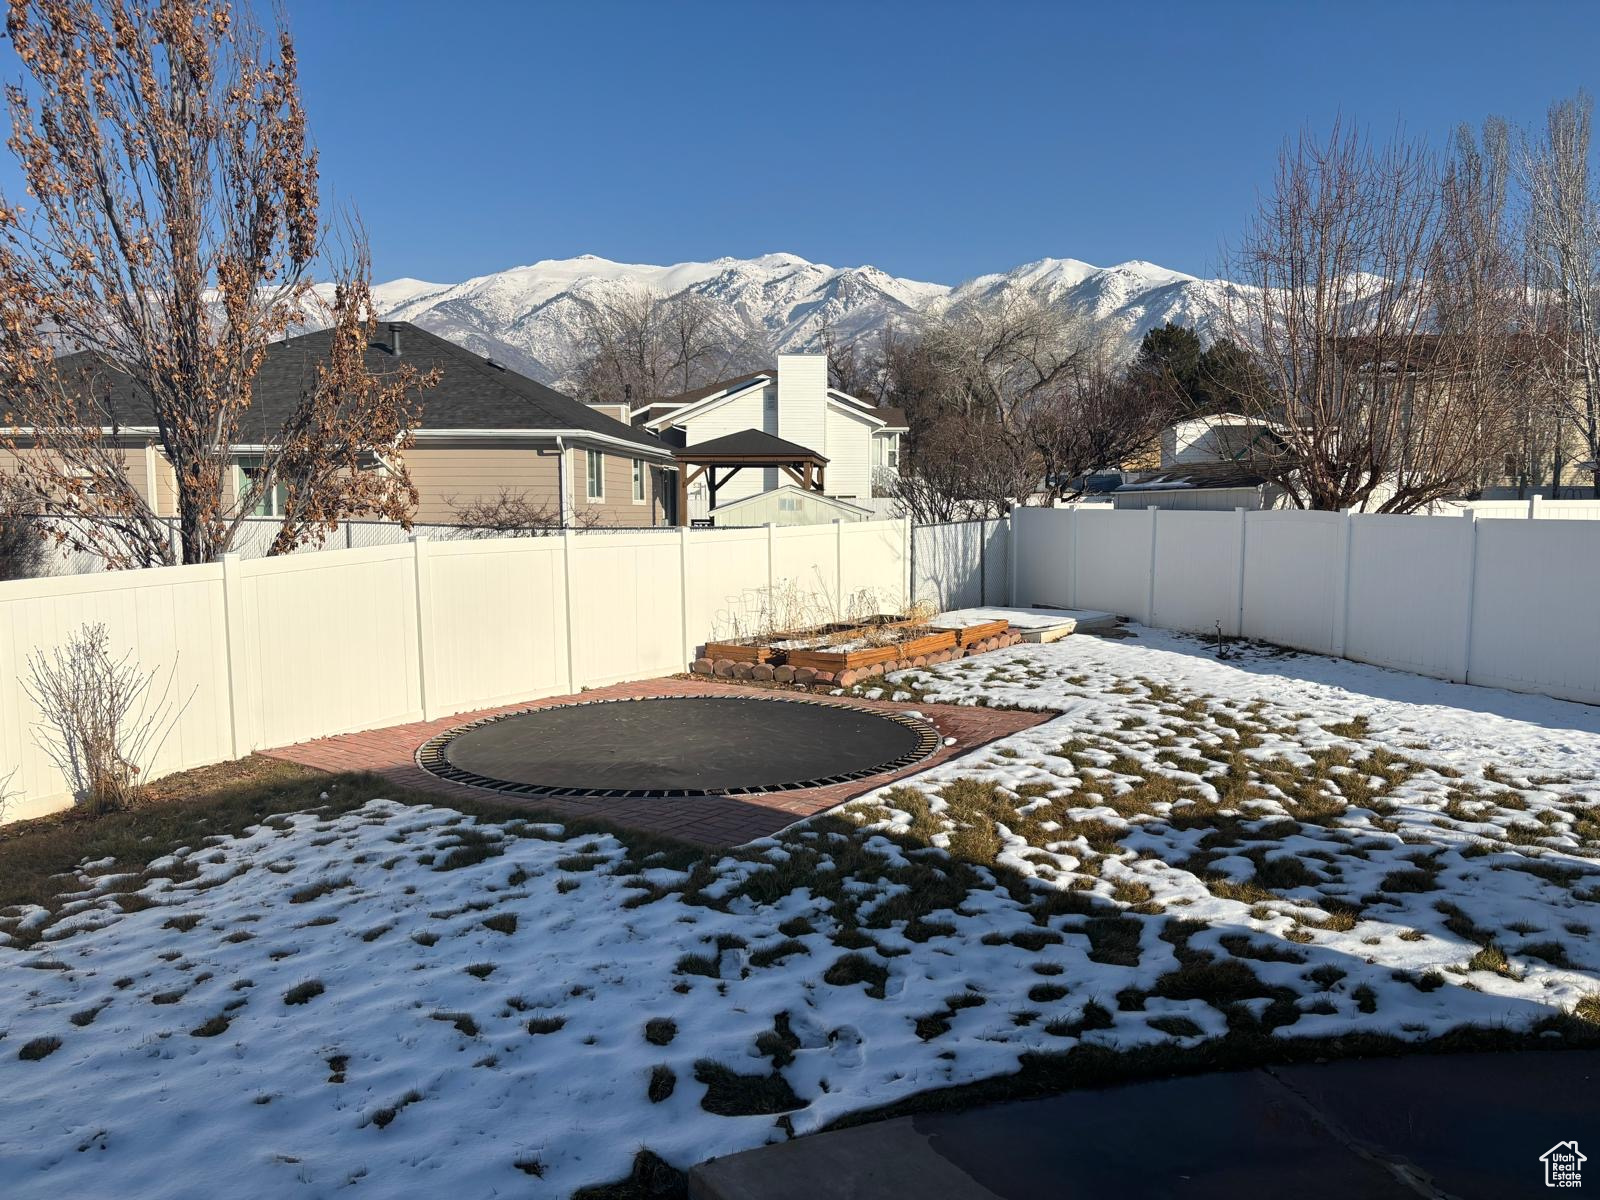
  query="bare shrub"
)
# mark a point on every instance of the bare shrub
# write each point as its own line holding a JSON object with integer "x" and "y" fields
{"x": 514, "y": 514}
{"x": 103, "y": 720}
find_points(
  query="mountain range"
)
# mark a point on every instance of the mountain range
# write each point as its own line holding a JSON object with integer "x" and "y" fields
{"x": 531, "y": 318}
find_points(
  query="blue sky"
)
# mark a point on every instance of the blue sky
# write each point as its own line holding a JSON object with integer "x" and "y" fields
{"x": 934, "y": 140}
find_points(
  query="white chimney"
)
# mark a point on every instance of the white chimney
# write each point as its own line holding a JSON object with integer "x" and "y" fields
{"x": 803, "y": 400}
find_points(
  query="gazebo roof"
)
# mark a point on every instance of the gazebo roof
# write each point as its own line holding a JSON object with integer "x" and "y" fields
{"x": 749, "y": 446}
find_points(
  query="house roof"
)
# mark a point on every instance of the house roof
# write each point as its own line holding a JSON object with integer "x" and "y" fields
{"x": 711, "y": 389}
{"x": 473, "y": 393}
{"x": 750, "y": 444}
{"x": 1196, "y": 477}
{"x": 892, "y": 418}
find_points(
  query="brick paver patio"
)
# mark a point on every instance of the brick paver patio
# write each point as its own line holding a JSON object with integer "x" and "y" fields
{"x": 709, "y": 820}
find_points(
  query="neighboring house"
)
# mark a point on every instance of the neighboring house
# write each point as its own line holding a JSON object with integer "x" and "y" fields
{"x": 794, "y": 402}
{"x": 1223, "y": 437}
{"x": 1206, "y": 464}
{"x": 1210, "y": 486}
{"x": 484, "y": 430}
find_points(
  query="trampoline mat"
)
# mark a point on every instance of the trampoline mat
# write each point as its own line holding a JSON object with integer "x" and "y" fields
{"x": 678, "y": 746}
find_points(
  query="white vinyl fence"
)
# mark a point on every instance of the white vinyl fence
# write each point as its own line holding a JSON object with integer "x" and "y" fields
{"x": 272, "y": 651}
{"x": 257, "y": 533}
{"x": 966, "y": 564}
{"x": 1497, "y": 602}
{"x": 1536, "y": 507}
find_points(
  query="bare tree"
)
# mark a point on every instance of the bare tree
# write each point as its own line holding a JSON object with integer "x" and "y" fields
{"x": 1377, "y": 373}
{"x": 171, "y": 239}
{"x": 991, "y": 391}
{"x": 857, "y": 365}
{"x": 642, "y": 345}
{"x": 1563, "y": 247}
{"x": 1098, "y": 417}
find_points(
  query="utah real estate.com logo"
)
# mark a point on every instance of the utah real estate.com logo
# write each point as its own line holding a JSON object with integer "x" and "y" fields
{"x": 1563, "y": 1165}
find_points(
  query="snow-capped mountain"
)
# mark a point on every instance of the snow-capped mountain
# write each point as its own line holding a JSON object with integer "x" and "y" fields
{"x": 532, "y": 318}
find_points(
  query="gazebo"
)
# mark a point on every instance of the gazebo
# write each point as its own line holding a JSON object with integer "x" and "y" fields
{"x": 733, "y": 452}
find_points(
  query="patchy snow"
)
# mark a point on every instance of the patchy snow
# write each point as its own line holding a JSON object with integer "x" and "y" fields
{"x": 407, "y": 999}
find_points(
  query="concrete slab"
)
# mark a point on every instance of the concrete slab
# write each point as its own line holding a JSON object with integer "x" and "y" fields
{"x": 1035, "y": 624}
{"x": 1460, "y": 1126}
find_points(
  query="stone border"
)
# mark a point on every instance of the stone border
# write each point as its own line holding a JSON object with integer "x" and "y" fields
{"x": 430, "y": 756}
{"x": 807, "y": 677}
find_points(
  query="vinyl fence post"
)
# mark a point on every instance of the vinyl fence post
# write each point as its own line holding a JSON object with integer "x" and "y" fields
{"x": 838, "y": 564}
{"x": 234, "y": 635}
{"x": 906, "y": 543}
{"x": 683, "y": 592}
{"x": 1011, "y": 559}
{"x": 1075, "y": 530}
{"x": 1340, "y": 633}
{"x": 1465, "y": 673}
{"x": 1238, "y": 583}
{"x": 772, "y": 554}
{"x": 1150, "y": 597}
{"x": 426, "y": 681}
{"x": 566, "y": 603}
{"x": 983, "y": 563}
{"x": 1535, "y": 501}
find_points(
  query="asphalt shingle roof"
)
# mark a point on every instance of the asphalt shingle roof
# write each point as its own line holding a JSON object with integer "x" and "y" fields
{"x": 748, "y": 443}
{"x": 472, "y": 394}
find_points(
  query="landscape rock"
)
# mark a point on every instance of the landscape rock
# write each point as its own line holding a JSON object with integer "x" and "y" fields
{"x": 702, "y": 666}
{"x": 723, "y": 668}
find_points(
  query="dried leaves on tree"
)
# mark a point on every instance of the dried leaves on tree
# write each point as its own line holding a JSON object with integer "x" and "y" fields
{"x": 168, "y": 236}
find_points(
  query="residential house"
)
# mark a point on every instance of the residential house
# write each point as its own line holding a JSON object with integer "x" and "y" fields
{"x": 1206, "y": 463}
{"x": 485, "y": 430}
{"x": 859, "y": 441}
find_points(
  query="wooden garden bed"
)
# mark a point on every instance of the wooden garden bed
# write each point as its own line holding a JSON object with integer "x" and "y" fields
{"x": 969, "y": 635}
{"x": 745, "y": 650}
{"x": 766, "y": 650}
{"x": 931, "y": 642}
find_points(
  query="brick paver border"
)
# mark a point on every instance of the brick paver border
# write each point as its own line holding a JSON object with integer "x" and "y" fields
{"x": 707, "y": 820}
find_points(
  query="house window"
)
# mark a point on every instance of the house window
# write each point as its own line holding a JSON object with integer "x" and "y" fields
{"x": 269, "y": 503}
{"x": 595, "y": 463}
{"x": 638, "y": 481}
{"x": 892, "y": 453}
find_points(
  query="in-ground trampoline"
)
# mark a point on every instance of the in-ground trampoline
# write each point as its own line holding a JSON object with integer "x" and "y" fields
{"x": 677, "y": 746}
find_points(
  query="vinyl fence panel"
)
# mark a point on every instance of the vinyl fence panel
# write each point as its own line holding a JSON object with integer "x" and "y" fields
{"x": 330, "y": 644}
{"x": 1409, "y": 592}
{"x": 1535, "y": 619}
{"x": 169, "y": 623}
{"x": 1293, "y": 578}
{"x": 1197, "y": 570}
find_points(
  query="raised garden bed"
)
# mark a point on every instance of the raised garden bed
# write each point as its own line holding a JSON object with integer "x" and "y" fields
{"x": 770, "y": 648}
{"x": 855, "y": 657}
{"x": 745, "y": 650}
{"x": 978, "y": 631}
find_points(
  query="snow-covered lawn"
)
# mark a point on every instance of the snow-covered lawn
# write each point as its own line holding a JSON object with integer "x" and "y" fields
{"x": 410, "y": 1002}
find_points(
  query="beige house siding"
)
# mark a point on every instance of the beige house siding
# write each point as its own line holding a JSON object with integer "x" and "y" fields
{"x": 138, "y": 472}
{"x": 618, "y": 508}
{"x": 448, "y": 477}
